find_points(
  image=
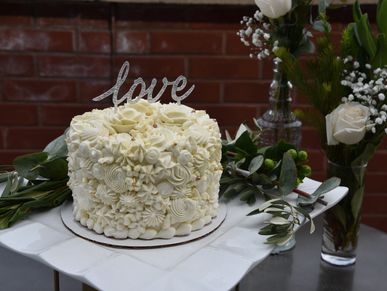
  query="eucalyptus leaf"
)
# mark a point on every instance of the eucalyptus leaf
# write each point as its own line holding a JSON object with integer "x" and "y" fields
{"x": 273, "y": 209}
{"x": 230, "y": 180}
{"x": 272, "y": 192}
{"x": 55, "y": 169}
{"x": 229, "y": 193}
{"x": 268, "y": 203}
{"x": 255, "y": 164}
{"x": 279, "y": 220}
{"x": 245, "y": 144}
{"x": 57, "y": 148}
{"x": 280, "y": 239}
{"x": 288, "y": 176}
{"x": 27, "y": 166}
{"x": 325, "y": 187}
{"x": 261, "y": 179}
{"x": 255, "y": 212}
{"x": 271, "y": 229}
{"x": 267, "y": 230}
{"x": 246, "y": 193}
{"x": 241, "y": 130}
{"x": 251, "y": 200}
{"x": 233, "y": 190}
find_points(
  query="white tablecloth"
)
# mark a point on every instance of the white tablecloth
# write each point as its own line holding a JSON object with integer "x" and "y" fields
{"x": 216, "y": 262}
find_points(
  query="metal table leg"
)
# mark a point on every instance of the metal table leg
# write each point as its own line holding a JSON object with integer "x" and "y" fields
{"x": 56, "y": 281}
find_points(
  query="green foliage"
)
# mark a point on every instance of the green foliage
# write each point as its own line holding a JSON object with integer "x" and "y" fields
{"x": 381, "y": 17}
{"x": 38, "y": 182}
{"x": 252, "y": 171}
{"x": 285, "y": 217}
{"x": 319, "y": 79}
{"x": 324, "y": 188}
{"x": 374, "y": 47}
{"x": 288, "y": 178}
{"x": 27, "y": 166}
{"x": 350, "y": 45}
{"x": 271, "y": 173}
{"x": 57, "y": 148}
{"x": 364, "y": 36}
{"x": 290, "y": 30}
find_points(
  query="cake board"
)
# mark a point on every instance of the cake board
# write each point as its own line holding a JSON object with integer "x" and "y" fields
{"x": 90, "y": 235}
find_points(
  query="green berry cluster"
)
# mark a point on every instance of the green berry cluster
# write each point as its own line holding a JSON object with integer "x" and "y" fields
{"x": 301, "y": 160}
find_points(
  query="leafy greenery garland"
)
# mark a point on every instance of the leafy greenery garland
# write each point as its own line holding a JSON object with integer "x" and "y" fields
{"x": 271, "y": 173}
{"x": 38, "y": 182}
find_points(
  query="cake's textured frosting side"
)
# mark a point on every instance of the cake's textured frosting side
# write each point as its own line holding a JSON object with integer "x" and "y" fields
{"x": 144, "y": 170}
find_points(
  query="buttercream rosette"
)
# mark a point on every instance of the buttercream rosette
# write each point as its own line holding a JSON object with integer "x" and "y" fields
{"x": 144, "y": 170}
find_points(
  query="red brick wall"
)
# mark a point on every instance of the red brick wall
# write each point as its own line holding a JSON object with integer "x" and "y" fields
{"x": 54, "y": 58}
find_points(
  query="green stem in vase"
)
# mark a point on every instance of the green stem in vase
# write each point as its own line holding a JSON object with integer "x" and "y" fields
{"x": 342, "y": 221}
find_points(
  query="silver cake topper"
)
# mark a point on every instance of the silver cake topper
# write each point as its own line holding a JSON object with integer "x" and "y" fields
{"x": 178, "y": 85}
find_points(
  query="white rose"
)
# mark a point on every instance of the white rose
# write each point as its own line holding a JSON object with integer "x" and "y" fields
{"x": 274, "y": 8}
{"x": 347, "y": 123}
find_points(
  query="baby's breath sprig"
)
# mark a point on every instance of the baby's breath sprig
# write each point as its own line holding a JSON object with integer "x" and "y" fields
{"x": 368, "y": 87}
{"x": 257, "y": 34}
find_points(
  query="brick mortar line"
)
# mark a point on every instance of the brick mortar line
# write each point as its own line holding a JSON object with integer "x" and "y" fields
{"x": 30, "y": 127}
{"x": 73, "y": 53}
{"x": 44, "y": 28}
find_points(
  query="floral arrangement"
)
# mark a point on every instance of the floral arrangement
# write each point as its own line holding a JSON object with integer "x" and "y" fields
{"x": 271, "y": 173}
{"x": 348, "y": 92}
{"x": 280, "y": 23}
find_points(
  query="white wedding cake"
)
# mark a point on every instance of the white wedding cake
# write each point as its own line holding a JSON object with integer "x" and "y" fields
{"x": 144, "y": 170}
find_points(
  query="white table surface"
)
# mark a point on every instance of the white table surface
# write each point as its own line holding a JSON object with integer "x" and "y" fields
{"x": 216, "y": 262}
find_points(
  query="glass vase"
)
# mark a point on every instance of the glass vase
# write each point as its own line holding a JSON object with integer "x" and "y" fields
{"x": 341, "y": 223}
{"x": 279, "y": 122}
